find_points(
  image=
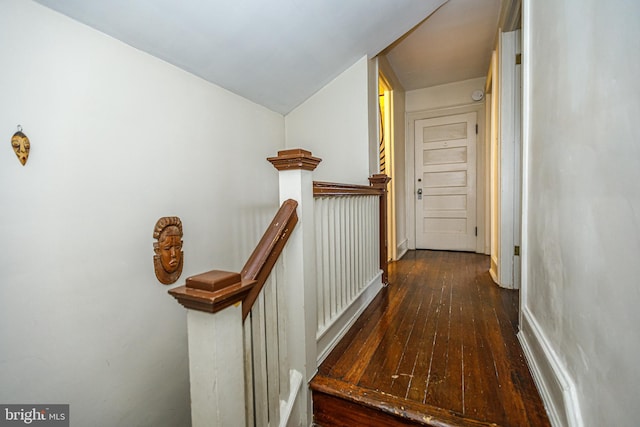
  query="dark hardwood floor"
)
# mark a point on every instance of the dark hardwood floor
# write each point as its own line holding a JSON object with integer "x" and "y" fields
{"x": 436, "y": 347}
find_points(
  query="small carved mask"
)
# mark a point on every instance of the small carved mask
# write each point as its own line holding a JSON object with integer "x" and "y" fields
{"x": 21, "y": 146}
{"x": 168, "y": 259}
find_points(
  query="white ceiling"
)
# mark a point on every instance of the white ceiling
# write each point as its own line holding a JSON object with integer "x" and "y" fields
{"x": 453, "y": 44}
{"x": 277, "y": 53}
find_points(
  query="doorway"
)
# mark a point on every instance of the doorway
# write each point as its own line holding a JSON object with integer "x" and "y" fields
{"x": 504, "y": 88}
{"x": 386, "y": 159}
{"x": 445, "y": 171}
{"x": 412, "y": 173}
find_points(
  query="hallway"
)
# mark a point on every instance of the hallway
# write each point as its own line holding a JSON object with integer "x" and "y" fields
{"x": 436, "y": 347}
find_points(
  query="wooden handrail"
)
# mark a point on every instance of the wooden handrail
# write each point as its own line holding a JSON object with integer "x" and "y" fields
{"x": 335, "y": 189}
{"x": 264, "y": 256}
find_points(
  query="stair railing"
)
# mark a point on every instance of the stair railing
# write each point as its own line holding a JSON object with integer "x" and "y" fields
{"x": 257, "y": 337}
{"x": 224, "y": 390}
{"x": 271, "y": 386}
{"x": 348, "y": 254}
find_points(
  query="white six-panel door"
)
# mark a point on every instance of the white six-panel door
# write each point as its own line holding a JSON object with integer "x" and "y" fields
{"x": 445, "y": 156}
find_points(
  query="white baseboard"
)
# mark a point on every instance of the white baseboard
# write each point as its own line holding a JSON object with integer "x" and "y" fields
{"x": 494, "y": 276}
{"x": 554, "y": 383}
{"x": 329, "y": 337}
{"x": 402, "y": 249}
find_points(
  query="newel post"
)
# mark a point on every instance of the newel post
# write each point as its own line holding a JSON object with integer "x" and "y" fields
{"x": 296, "y": 182}
{"x": 216, "y": 347}
{"x": 380, "y": 181}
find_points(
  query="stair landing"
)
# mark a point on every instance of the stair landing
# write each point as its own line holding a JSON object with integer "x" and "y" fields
{"x": 437, "y": 347}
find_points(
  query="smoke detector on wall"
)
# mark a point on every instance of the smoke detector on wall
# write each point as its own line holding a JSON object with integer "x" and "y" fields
{"x": 477, "y": 95}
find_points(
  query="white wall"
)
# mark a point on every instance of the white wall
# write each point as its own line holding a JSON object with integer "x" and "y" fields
{"x": 582, "y": 204}
{"x": 443, "y": 96}
{"x": 118, "y": 139}
{"x": 334, "y": 125}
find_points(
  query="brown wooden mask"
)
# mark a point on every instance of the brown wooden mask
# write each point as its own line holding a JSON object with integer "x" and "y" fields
{"x": 168, "y": 258}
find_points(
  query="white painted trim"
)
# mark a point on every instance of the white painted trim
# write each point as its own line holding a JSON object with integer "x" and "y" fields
{"x": 481, "y": 168}
{"x": 286, "y": 407}
{"x": 554, "y": 383}
{"x": 492, "y": 273}
{"x": 517, "y": 178}
{"x": 488, "y": 99}
{"x": 402, "y": 249}
{"x": 409, "y": 183}
{"x": 507, "y": 99}
{"x": 526, "y": 93}
{"x": 329, "y": 337}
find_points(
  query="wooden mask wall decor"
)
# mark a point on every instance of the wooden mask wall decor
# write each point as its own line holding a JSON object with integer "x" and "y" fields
{"x": 168, "y": 258}
{"x": 21, "y": 145}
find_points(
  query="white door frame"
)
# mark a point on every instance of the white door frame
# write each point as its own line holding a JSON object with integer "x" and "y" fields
{"x": 509, "y": 167}
{"x": 526, "y": 95}
{"x": 389, "y": 147}
{"x": 481, "y": 191}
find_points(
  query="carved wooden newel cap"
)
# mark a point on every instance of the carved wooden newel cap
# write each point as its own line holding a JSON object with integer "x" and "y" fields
{"x": 296, "y": 158}
{"x": 379, "y": 180}
{"x": 213, "y": 280}
{"x": 212, "y": 291}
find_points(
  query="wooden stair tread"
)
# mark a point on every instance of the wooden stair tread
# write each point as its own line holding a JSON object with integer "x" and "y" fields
{"x": 410, "y": 412}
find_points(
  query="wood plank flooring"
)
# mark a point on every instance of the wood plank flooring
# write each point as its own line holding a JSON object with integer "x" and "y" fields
{"x": 436, "y": 347}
